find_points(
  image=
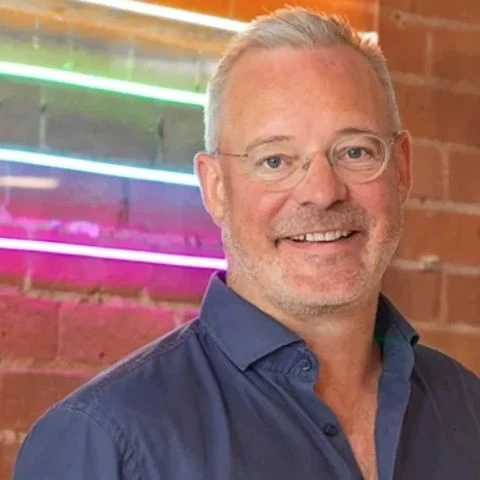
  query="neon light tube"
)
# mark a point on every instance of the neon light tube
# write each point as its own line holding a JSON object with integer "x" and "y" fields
{"x": 112, "y": 253}
{"x": 33, "y": 183}
{"x": 63, "y": 77}
{"x": 100, "y": 168}
{"x": 169, "y": 13}
{"x": 185, "y": 16}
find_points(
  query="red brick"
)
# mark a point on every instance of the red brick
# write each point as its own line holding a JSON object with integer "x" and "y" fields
{"x": 464, "y": 176}
{"x": 178, "y": 283}
{"x": 404, "y": 5}
{"x": 87, "y": 275}
{"x": 104, "y": 333}
{"x": 467, "y": 11}
{"x": 127, "y": 278}
{"x": 456, "y": 55}
{"x": 428, "y": 172}
{"x": 26, "y": 395}
{"x": 8, "y": 455}
{"x": 453, "y": 237}
{"x": 416, "y": 293}
{"x": 13, "y": 267}
{"x": 463, "y": 297}
{"x": 359, "y": 12}
{"x": 28, "y": 327}
{"x": 462, "y": 346}
{"x": 440, "y": 114}
{"x": 13, "y": 264}
{"x": 404, "y": 43}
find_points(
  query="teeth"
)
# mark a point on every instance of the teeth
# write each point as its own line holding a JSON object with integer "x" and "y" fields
{"x": 322, "y": 237}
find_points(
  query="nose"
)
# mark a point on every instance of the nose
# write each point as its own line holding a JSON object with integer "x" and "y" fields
{"x": 321, "y": 185}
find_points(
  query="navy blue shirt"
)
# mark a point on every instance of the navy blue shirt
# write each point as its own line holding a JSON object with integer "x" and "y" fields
{"x": 230, "y": 396}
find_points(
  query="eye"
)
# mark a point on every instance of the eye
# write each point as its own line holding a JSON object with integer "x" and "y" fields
{"x": 355, "y": 153}
{"x": 273, "y": 162}
{"x": 272, "y": 165}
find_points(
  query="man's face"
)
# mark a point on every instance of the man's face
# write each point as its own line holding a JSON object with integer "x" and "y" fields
{"x": 310, "y": 96}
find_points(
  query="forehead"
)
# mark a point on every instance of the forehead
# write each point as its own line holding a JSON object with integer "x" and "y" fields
{"x": 301, "y": 93}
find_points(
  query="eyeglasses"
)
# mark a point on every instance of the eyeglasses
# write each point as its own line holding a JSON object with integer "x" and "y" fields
{"x": 280, "y": 165}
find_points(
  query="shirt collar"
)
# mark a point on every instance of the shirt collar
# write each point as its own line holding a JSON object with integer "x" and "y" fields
{"x": 391, "y": 324}
{"x": 397, "y": 338}
{"x": 245, "y": 333}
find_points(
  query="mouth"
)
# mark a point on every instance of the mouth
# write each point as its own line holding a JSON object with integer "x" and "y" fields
{"x": 330, "y": 236}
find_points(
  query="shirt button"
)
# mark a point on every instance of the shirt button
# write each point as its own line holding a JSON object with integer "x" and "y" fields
{"x": 330, "y": 430}
{"x": 306, "y": 365}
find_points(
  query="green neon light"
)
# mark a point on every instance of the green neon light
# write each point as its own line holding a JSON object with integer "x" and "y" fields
{"x": 82, "y": 80}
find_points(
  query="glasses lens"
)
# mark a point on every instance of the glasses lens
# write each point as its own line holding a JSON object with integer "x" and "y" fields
{"x": 359, "y": 158}
{"x": 280, "y": 166}
{"x": 275, "y": 165}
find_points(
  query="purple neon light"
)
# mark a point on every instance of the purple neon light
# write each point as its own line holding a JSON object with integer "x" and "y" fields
{"x": 112, "y": 253}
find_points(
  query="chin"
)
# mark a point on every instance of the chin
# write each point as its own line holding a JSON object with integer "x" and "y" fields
{"x": 330, "y": 296}
{"x": 335, "y": 288}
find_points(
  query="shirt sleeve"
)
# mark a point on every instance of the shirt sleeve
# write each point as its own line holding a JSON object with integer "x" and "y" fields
{"x": 69, "y": 444}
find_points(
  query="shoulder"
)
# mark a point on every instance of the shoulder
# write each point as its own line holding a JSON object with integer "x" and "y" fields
{"x": 68, "y": 443}
{"x": 444, "y": 375}
{"x": 109, "y": 417}
{"x": 150, "y": 371}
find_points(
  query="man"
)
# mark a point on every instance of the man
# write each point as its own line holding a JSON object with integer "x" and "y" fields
{"x": 297, "y": 368}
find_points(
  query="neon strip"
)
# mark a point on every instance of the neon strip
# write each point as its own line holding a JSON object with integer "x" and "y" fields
{"x": 112, "y": 253}
{"x": 169, "y": 13}
{"x": 91, "y": 166}
{"x": 83, "y": 80}
{"x": 34, "y": 183}
{"x": 185, "y": 16}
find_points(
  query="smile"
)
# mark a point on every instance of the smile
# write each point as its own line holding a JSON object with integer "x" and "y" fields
{"x": 323, "y": 237}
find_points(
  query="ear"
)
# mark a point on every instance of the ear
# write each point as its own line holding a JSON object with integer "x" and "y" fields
{"x": 403, "y": 165}
{"x": 212, "y": 188}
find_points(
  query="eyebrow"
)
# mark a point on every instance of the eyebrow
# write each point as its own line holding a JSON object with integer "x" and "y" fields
{"x": 264, "y": 140}
{"x": 282, "y": 138}
{"x": 354, "y": 130}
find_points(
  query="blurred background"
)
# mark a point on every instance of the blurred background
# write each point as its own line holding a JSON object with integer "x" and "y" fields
{"x": 100, "y": 116}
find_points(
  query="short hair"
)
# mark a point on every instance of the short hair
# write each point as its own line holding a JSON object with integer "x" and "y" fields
{"x": 293, "y": 27}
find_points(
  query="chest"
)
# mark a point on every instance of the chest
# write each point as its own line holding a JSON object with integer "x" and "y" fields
{"x": 362, "y": 442}
{"x": 241, "y": 436}
{"x": 358, "y": 420}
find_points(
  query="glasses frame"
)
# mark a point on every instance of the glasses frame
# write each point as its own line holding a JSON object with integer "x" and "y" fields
{"x": 387, "y": 141}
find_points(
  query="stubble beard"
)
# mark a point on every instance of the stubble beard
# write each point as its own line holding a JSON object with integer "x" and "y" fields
{"x": 262, "y": 279}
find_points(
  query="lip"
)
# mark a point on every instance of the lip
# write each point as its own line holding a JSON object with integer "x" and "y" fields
{"x": 324, "y": 248}
{"x": 333, "y": 228}
{"x": 321, "y": 232}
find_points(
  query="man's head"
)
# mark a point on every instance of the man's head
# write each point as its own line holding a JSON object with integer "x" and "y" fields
{"x": 306, "y": 169}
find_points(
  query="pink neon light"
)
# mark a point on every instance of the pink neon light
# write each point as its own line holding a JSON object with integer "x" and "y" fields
{"x": 112, "y": 253}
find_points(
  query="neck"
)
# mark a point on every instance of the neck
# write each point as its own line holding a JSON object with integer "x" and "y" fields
{"x": 342, "y": 341}
{"x": 341, "y": 337}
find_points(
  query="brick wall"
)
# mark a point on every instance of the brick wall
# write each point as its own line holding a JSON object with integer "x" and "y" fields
{"x": 63, "y": 319}
{"x": 433, "y": 47}
{"x": 53, "y": 338}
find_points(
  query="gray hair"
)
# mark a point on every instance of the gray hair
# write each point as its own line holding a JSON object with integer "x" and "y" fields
{"x": 296, "y": 28}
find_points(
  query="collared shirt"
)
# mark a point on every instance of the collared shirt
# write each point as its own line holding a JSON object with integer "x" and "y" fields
{"x": 230, "y": 396}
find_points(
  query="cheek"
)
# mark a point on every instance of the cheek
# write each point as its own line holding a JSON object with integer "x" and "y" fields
{"x": 252, "y": 211}
{"x": 380, "y": 201}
